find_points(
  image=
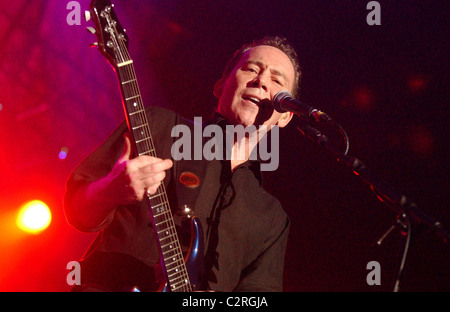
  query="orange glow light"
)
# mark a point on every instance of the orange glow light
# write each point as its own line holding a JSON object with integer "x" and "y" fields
{"x": 34, "y": 217}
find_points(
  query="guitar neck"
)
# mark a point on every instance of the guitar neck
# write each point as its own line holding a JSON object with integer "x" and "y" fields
{"x": 135, "y": 111}
{"x": 172, "y": 260}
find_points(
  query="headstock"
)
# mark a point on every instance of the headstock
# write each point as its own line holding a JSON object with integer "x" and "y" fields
{"x": 111, "y": 36}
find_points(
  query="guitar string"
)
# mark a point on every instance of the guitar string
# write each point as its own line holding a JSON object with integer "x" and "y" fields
{"x": 170, "y": 224}
{"x": 119, "y": 42}
{"x": 148, "y": 143}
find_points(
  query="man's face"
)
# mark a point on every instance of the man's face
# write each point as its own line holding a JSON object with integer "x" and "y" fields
{"x": 260, "y": 73}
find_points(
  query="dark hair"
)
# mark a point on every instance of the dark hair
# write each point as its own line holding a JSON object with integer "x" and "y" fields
{"x": 280, "y": 43}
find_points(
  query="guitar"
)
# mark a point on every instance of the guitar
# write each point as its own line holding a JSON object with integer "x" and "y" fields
{"x": 181, "y": 273}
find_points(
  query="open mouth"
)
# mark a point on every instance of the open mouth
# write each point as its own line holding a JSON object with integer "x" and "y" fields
{"x": 262, "y": 104}
{"x": 252, "y": 99}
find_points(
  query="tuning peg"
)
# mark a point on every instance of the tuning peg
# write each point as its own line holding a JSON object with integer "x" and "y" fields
{"x": 93, "y": 45}
{"x": 90, "y": 29}
{"x": 87, "y": 16}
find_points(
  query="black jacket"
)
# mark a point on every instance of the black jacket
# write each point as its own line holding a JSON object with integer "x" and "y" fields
{"x": 245, "y": 227}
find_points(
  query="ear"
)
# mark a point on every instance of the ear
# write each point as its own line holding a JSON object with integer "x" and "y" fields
{"x": 285, "y": 119}
{"x": 218, "y": 86}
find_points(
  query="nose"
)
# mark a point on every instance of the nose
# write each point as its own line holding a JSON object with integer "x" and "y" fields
{"x": 260, "y": 81}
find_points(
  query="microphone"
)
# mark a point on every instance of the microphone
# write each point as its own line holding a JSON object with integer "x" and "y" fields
{"x": 284, "y": 102}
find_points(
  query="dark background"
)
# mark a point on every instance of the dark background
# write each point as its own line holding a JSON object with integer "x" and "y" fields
{"x": 385, "y": 85}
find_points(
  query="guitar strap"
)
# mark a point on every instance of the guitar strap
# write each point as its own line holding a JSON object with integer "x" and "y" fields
{"x": 189, "y": 181}
{"x": 190, "y": 174}
{"x": 189, "y": 177}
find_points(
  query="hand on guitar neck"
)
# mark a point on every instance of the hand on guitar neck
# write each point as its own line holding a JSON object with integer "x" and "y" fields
{"x": 130, "y": 180}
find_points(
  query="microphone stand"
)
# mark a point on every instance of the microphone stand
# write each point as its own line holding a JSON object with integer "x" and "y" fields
{"x": 407, "y": 210}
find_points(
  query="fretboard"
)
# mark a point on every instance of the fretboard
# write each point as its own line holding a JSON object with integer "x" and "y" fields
{"x": 163, "y": 224}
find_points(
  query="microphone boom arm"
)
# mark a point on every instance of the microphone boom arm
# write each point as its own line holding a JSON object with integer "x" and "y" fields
{"x": 387, "y": 194}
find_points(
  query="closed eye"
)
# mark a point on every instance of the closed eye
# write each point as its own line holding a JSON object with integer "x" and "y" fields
{"x": 278, "y": 82}
{"x": 250, "y": 67}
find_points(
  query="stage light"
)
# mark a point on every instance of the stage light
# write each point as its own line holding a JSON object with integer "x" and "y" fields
{"x": 360, "y": 98}
{"x": 417, "y": 83}
{"x": 34, "y": 217}
{"x": 63, "y": 153}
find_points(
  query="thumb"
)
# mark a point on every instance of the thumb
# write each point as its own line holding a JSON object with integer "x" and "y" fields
{"x": 126, "y": 153}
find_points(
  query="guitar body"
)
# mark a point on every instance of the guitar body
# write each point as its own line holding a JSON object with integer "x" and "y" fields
{"x": 180, "y": 273}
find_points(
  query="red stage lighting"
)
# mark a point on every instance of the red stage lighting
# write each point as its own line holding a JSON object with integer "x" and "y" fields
{"x": 34, "y": 217}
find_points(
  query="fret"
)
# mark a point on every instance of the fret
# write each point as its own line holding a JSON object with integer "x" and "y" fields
{"x": 170, "y": 246}
{"x": 177, "y": 277}
{"x": 162, "y": 215}
{"x": 186, "y": 287}
{"x": 160, "y": 208}
{"x": 144, "y": 145}
{"x": 166, "y": 253}
{"x": 132, "y": 97}
{"x": 156, "y": 195}
{"x": 160, "y": 219}
{"x": 182, "y": 283}
{"x": 179, "y": 260}
{"x": 130, "y": 93}
{"x": 172, "y": 237}
{"x": 138, "y": 120}
{"x": 144, "y": 139}
{"x": 156, "y": 206}
{"x": 135, "y": 106}
{"x": 128, "y": 81}
{"x": 136, "y": 112}
{"x": 183, "y": 288}
{"x": 142, "y": 134}
{"x": 126, "y": 71}
{"x": 138, "y": 127}
{"x": 176, "y": 262}
{"x": 178, "y": 270}
{"x": 169, "y": 234}
{"x": 181, "y": 271}
{"x": 173, "y": 255}
{"x": 149, "y": 152}
{"x": 179, "y": 280}
{"x": 165, "y": 229}
{"x": 173, "y": 274}
{"x": 159, "y": 214}
{"x": 159, "y": 205}
{"x": 179, "y": 264}
{"x": 135, "y": 121}
{"x": 158, "y": 224}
